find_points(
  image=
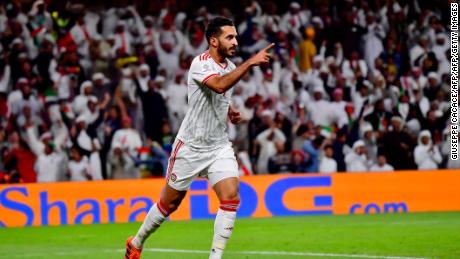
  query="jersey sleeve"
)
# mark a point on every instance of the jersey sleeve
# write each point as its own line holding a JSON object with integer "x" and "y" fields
{"x": 202, "y": 71}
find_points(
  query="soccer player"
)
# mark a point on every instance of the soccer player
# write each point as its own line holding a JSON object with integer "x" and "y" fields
{"x": 202, "y": 147}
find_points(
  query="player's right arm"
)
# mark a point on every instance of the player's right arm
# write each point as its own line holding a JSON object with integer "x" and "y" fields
{"x": 220, "y": 84}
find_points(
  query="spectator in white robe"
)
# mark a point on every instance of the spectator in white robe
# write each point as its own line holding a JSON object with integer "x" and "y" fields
{"x": 356, "y": 159}
{"x": 427, "y": 155}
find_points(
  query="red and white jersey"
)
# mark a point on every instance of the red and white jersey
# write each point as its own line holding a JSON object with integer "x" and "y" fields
{"x": 205, "y": 124}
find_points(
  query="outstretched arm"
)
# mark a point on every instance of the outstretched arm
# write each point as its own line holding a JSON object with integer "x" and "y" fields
{"x": 220, "y": 84}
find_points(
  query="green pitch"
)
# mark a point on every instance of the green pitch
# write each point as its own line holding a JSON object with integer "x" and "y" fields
{"x": 390, "y": 236}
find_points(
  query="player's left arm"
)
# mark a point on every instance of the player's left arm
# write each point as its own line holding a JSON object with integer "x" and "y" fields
{"x": 220, "y": 84}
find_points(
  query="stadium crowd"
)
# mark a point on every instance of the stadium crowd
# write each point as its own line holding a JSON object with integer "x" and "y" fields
{"x": 89, "y": 92}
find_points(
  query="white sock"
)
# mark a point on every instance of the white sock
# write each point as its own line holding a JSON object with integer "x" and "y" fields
{"x": 151, "y": 223}
{"x": 223, "y": 228}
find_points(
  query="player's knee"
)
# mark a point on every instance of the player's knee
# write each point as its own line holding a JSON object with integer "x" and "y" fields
{"x": 231, "y": 194}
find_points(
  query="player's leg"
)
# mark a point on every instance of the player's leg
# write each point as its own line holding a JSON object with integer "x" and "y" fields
{"x": 227, "y": 192}
{"x": 169, "y": 202}
{"x": 223, "y": 175}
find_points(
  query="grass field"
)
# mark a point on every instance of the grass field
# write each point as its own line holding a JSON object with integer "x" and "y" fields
{"x": 390, "y": 236}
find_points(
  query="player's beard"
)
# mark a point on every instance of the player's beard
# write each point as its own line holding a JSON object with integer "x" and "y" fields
{"x": 226, "y": 52}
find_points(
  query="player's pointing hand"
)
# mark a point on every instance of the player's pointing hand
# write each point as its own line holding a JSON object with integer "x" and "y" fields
{"x": 263, "y": 56}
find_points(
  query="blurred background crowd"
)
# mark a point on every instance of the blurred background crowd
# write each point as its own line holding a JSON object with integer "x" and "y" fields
{"x": 95, "y": 90}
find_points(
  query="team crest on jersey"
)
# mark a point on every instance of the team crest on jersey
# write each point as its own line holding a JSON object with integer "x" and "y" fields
{"x": 173, "y": 177}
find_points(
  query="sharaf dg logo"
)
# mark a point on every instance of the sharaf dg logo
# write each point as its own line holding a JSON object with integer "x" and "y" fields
{"x": 272, "y": 198}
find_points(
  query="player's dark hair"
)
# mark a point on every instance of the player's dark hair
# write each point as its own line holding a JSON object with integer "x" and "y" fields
{"x": 214, "y": 27}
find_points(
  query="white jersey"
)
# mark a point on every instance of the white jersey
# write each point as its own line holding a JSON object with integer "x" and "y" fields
{"x": 205, "y": 124}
